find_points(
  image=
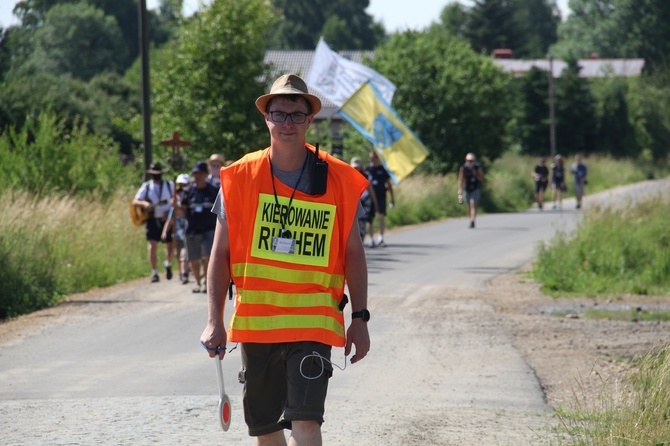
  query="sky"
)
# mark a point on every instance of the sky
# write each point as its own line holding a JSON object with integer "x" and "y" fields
{"x": 395, "y": 14}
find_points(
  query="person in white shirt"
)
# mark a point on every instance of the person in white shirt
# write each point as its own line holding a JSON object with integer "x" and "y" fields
{"x": 155, "y": 196}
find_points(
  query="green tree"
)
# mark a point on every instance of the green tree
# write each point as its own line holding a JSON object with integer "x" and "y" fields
{"x": 590, "y": 28}
{"x": 527, "y": 27}
{"x": 648, "y": 101}
{"x": 616, "y": 134}
{"x": 344, "y": 24}
{"x": 576, "y": 122}
{"x": 33, "y": 15}
{"x": 532, "y": 112}
{"x": 538, "y": 22}
{"x": 454, "y": 17}
{"x": 455, "y": 100}
{"x": 79, "y": 40}
{"x": 492, "y": 25}
{"x": 204, "y": 85}
{"x": 643, "y": 27}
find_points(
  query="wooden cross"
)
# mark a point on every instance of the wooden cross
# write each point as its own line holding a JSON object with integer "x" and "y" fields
{"x": 175, "y": 143}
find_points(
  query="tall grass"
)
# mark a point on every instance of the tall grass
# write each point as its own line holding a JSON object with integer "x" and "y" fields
{"x": 422, "y": 198}
{"x": 58, "y": 245}
{"x": 639, "y": 414}
{"x": 612, "y": 251}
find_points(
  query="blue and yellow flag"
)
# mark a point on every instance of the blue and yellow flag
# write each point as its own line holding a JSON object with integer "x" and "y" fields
{"x": 399, "y": 148}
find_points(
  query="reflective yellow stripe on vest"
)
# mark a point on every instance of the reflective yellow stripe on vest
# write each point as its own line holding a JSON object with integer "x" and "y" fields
{"x": 264, "y": 323}
{"x": 289, "y": 300}
{"x": 288, "y": 275}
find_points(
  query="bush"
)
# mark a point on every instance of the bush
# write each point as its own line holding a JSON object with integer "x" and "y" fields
{"x": 44, "y": 157}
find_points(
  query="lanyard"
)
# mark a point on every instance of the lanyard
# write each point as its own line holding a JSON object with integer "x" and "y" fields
{"x": 283, "y": 217}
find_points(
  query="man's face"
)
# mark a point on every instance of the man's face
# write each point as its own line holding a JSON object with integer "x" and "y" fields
{"x": 288, "y": 132}
{"x": 215, "y": 168}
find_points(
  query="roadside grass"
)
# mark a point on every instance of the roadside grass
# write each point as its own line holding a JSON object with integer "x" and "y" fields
{"x": 637, "y": 413}
{"x": 58, "y": 245}
{"x": 613, "y": 251}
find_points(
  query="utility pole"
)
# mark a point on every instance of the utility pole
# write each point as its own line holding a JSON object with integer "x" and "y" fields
{"x": 146, "y": 89}
{"x": 552, "y": 117}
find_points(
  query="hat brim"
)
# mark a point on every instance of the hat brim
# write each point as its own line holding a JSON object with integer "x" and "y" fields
{"x": 314, "y": 101}
{"x": 155, "y": 172}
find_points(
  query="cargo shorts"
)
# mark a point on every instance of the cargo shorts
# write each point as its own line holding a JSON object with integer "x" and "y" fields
{"x": 284, "y": 382}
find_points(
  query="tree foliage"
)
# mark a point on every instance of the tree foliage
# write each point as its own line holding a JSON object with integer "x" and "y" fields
{"x": 455, "y": 100}
{"x": 531, "y": 124}
{"x": 79, "y": 40}
{"x": 46, "y": 156}
{"x": 576, "y": 122}
{"x": 343, "y": 23}
{"x": 204, "y": 86}
{"x": 617, "y": 29}
{"x": 527, "y": 27}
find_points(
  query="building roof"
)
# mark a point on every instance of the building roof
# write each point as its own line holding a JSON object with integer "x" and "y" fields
{"x": 589, "y": 67}
{"x": 298, "y": 62}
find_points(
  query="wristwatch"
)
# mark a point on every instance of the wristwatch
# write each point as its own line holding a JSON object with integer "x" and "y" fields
{"x": 363, "y": 314}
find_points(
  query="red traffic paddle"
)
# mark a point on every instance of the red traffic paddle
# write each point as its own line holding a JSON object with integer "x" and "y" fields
{"x": 224, "y": 401}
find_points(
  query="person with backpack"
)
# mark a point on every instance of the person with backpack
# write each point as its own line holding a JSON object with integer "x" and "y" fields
{"x": 470, "y": 180}
{"x": 155, "y": 196}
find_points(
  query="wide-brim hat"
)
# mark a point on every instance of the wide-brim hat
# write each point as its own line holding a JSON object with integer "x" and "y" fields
{"x": 155, "y": 169}
{"x": 289, "y": 84}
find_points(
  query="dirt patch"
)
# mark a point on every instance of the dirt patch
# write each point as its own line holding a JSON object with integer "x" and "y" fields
{"x": 575, "y": 358}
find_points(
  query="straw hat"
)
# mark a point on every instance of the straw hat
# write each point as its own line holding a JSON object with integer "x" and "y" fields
{"x": 216, "y": 158}
{"x": 289, "y": 84}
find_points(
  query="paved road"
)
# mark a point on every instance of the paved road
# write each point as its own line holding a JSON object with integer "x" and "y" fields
{"x": 123, "y": 366}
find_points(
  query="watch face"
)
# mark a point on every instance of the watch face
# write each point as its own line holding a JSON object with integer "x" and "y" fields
{"x": 363, "y": 314}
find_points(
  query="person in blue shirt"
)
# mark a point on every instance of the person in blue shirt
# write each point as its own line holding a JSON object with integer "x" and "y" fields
{"x": 580, "y": 172}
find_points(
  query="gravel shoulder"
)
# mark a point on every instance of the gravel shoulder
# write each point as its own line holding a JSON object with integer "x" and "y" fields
{"x": 576, "y": 359}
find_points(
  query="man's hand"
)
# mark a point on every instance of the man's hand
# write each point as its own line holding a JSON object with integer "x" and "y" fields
{"x": 358, "y": 335}
{"x": 214, "y": 340}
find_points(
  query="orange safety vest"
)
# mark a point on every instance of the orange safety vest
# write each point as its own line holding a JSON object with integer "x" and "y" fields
{"x": 288, "y": 297}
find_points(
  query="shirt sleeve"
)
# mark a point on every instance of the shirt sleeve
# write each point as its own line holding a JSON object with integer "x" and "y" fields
{"x": 219, "y": 207}
{"x": 141, "y": 193}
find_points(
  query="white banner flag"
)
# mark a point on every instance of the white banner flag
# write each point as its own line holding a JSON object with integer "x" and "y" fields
{"x": 337, "y": 78}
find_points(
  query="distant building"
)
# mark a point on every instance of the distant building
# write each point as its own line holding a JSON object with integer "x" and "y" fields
{"x": 591, "y": 67}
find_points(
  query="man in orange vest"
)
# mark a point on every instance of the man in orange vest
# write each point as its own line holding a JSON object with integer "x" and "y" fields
{"x": 286, "y": 223}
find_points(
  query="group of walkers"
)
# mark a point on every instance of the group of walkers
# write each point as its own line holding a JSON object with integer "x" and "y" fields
{"x": 471, "y": 179}
{"x": 180, "y": 217}
{"x": 558, "y": 180}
